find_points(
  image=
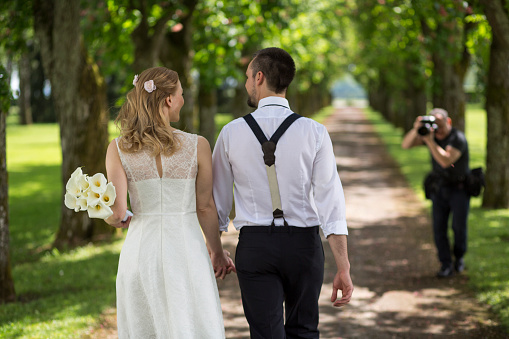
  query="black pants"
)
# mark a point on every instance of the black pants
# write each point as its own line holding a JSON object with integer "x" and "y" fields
{"x": 450, "y": 200}
{"x": 277, "y": 265}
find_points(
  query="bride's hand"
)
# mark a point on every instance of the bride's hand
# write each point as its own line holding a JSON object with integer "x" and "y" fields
{"x": 220, "y": 263}
{"x": 122, "y": 224}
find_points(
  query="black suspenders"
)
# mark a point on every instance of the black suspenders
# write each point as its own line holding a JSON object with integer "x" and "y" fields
{"x": 268, "y": 148}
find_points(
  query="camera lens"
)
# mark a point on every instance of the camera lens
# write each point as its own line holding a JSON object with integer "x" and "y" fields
{"x": 424, "y": 129}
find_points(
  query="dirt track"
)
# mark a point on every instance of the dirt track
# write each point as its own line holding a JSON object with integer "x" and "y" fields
{"x": 392, "y": 257}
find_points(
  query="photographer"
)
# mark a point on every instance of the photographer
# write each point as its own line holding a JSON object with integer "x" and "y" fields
{"x": 445, "y": 185}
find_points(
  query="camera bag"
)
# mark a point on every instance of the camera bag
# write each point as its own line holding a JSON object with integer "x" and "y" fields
{"x": 475, "y": 182}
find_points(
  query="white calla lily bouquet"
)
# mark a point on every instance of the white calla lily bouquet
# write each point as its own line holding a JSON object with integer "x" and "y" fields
{"x": 92, "y": 194}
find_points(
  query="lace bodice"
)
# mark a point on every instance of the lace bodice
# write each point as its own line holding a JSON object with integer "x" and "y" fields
{"x": 174, "y": 192}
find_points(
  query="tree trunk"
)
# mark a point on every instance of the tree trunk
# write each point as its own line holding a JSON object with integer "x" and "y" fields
{"x": 207, "y": 105}
{"x": 79, "y": 99}
{"x": 448, "y": 78}
{"x": 148, "y": 39}
{"x": 239, "y": 102}
{"x": 43, "y": 109}
{"x": 25, "y": 90}
{"x": 496, "y": 194}
{"x": 177, "y": 54}
{"x": 7, "y": 292}
{"x": 414, "y": 96}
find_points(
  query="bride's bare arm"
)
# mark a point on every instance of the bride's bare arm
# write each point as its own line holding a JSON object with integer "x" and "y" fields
{"x": 116, "y": 174}
{"x": 206, "y": 209}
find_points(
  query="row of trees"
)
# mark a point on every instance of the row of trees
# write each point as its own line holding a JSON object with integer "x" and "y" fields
{"x": 90, "y": 51}
{"x": 410, "y": 53}
{"x": 405, "y": 53}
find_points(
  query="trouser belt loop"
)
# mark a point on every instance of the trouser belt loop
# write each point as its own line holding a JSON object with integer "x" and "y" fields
{"x": 290, "y": 229}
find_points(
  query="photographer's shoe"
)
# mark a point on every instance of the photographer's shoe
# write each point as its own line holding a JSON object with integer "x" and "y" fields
{"x": 459, "y": 265}
{"x": 445, "y": 271}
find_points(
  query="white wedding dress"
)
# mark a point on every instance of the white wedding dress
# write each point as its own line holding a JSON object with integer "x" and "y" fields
{"x": 165, "y": 283}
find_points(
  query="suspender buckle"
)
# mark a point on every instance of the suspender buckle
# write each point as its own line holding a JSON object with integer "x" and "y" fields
{"x": 277, "y": 213}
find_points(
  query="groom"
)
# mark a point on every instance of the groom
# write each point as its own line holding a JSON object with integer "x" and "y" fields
{"x": 280, "y": 259}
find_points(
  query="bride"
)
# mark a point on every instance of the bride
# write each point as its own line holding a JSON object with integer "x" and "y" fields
{"x": 165, "y": 281}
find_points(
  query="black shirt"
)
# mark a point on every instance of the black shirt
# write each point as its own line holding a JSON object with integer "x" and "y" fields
{"x": 460, "y": 168}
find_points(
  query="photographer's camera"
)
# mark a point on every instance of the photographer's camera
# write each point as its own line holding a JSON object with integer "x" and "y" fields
{"x": 428, "y": 122}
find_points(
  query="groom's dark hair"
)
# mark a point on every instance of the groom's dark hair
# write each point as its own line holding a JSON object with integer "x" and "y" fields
{"x": 276, "y": 65}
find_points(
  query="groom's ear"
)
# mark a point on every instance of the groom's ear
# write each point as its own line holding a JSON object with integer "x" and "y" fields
{"x": 260, "y": 77}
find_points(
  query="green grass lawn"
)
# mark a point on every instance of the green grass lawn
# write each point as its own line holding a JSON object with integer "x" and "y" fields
{"x": 61, "y": 295}
{"x": 487, "y": 259}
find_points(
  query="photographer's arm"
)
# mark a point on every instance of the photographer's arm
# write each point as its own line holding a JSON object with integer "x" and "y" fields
{"x": 412, "y": 138}
{"x": 445, "y": 157}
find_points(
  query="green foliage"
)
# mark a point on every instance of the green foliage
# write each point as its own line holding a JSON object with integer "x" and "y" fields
{"x": 390, "y": 34}
{"x": 409, "y": 34}
{"x": 228, "y": 32}
{"x": 487, "y": 258}
{"x": 16, "y": 30}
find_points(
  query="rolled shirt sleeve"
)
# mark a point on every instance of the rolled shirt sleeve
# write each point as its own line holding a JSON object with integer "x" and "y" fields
{"x": 223, "y": 182}
{"x": 328, "y": 192}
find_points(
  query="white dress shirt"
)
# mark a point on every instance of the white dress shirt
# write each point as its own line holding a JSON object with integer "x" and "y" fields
{"x": 309, "y": 184}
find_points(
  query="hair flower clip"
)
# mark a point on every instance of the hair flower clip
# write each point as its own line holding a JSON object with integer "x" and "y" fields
{"x": 135, "y": 81}
{"x": 149, "y": 86}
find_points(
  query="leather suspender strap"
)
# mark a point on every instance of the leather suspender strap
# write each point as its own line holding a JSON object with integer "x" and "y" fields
{"x": 269, "y": 148}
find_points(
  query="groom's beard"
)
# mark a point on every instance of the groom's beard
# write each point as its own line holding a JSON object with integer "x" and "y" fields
{"x": 250, "y": 103}
{"x": 250, "y": 99}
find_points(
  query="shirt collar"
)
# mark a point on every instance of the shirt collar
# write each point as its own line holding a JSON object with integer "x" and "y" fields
{"x": 273, "y": 101}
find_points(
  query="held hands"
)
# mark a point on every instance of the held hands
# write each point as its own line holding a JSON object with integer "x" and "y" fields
{"x": 222, "y": 264}
{"x": 343, "y": 282}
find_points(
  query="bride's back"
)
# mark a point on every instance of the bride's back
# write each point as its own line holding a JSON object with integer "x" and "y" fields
{"x": 174, "y": 191}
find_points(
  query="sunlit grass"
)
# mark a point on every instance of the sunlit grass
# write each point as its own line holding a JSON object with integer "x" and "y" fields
{"x": 60, "y": 295}
{"x": 487, "y": 258}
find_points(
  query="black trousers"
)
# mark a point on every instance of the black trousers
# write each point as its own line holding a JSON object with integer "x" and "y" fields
{"x": 447, "y": 201}
{"x": 275, "y": 266}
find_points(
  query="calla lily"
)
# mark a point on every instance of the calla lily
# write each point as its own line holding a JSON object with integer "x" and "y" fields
{"x": 72, "y": 187}
{"x": 74, "y": 184}
{"x": 100, "y": 211}
{"x": 82, "y": 203}
{"x": 98, "y": 183}
{"x": 84, "y": 194}
{"x": 82, "y": 182}
{"x": 108, "y": 197}
{"x": 71, "y": 202}
{"x": 93, "y": 198}
{"x": 77, "y": 173}
{"x": 92, "y": 194}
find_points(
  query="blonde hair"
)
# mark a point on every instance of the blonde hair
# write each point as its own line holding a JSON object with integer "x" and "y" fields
{"x": 141, "y": 120}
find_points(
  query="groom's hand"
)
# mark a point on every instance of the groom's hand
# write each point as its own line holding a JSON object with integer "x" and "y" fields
{"x": 231, "y": 266}
{"x": 343, "y": 282}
